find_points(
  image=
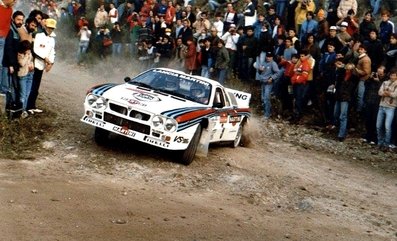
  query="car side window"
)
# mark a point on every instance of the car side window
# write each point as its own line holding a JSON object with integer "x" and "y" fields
{"x": 219, "y": 99}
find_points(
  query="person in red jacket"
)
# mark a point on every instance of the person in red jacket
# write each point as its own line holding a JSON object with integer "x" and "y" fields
{"x": 298, "y": 81}
{"x": 5, "y": 24}
{"x": 190, "y": 56}
{"x": 285, "y": 93}
{"x": 170, "y": 14}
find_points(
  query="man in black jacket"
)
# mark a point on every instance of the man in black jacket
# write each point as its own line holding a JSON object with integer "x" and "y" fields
{"x": 10, "y": 60}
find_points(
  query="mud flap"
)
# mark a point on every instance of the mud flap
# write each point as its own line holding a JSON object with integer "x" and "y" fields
{"x": 202, "y": 149}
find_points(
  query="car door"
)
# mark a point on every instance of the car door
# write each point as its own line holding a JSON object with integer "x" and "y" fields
{"x": 224, "y": 121}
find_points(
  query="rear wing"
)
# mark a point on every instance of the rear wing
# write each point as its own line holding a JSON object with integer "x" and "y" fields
{"x": 239, "y": 98}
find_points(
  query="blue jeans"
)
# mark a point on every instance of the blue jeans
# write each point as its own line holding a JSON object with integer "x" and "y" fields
{"x": 299, "y": 91}
{"x": 267, "y": 106}
{"x": 360, "y": 95}
{"x": 25, "y": 85}
{"x": 83, "y": 46}
{"x": 340, "y": 114}
{"x": 222, "y": 76}
{"x": 205, "y": 71}
{"x": 375, "y": 4}
{"x": 2, "y": 43}
{"x": 213, "y": 4}
{"x": 6, "y": 86}
{"x": 383, "y": 125}
{"x": 280, "y": 7}
{"x": 116, "y": 49}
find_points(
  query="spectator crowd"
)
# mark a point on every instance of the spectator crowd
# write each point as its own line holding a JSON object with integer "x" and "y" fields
{"x": 305, "y": 54}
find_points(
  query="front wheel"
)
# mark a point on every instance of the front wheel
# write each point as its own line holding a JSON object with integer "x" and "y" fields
{"x": 187, "y": 155}
{"x": 101, "y": 136}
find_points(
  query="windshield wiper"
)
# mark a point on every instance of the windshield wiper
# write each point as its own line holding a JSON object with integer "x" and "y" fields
{"x": 141, "y": 84}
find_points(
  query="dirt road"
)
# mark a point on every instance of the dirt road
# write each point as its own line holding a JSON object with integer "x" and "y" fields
{"x": 273, "y": 190}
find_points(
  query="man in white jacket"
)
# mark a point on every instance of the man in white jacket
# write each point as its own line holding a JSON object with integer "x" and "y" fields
{"x": 44, "y": 57}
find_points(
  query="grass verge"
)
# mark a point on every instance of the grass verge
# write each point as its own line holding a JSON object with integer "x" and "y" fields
{"x": 22, "y": 138}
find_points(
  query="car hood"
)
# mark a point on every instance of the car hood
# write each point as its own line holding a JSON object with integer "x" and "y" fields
{"x": 147, "y": 99}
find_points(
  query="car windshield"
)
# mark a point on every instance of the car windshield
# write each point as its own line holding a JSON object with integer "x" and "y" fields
{"x": 176, "y": 84}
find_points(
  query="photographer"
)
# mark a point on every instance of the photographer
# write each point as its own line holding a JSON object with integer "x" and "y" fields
{"x": 231, "y": 38}
{"x": 117, "y": 35}
{"x": 84, "y": 40}
{"x": 201, "y": 23}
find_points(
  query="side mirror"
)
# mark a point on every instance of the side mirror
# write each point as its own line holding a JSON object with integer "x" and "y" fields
{"x": 127, "y": 79}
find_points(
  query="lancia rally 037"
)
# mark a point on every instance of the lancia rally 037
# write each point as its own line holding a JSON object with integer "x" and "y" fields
{"x": 169, "y": 109}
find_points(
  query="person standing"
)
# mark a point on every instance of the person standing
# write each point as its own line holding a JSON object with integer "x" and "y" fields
{"x": 267, "y": 74}
{"x": 116, "y": 34}
{"x": 101, "y": 17}
{"x": 207, "y": 58}
{"x": 25, "y": 73}
{"x": 388, "y": 103}
{"x": 344, "y": 86}
{"x": 113, "y": 14}
{"x": 190, "y": 56}
{"x": 363, "y": 72}
{"x": 249, "y": 13}
{"x": 372, "y": 100}
{"x": 298, "y": 81}
{"x": 5, "y": 24}
{"x": 44, "y": 54}
{"x": 84, "y": 40}
{"x": 221, "y": 62}
{"x": 10, "y": 61}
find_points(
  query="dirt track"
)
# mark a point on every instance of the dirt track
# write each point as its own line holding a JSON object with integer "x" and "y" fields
{"x": 273, "y": 190}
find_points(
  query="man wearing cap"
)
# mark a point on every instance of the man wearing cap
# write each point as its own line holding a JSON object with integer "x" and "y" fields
{"x": 44, "y": 53}
{"x": 332, "y": 38}
{"x": 322, "y": 28}
{"x": 343, "y": 35}
{"x": 267, "y": 73}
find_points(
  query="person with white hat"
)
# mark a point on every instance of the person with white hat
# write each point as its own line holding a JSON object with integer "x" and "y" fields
{"x": 343, "y": 35}
{"x": 44, "y": 53}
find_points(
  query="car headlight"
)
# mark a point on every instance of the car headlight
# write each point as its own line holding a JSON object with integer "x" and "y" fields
{"x": 170, "y": 125}
{"x": 101, "y": 103}
{"x": 163, "y": 123}
{"x": 157, "y": 121}
{"x": 91, "y": 99}
{"x": 96, "y": 102}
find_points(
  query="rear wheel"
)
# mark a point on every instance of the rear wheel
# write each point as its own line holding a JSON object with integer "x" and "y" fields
{"x": 101, "y": 136}
{"x": 237, "y": 139}
{"x": 242, "y": 138}
{"x": 187, "y": 155}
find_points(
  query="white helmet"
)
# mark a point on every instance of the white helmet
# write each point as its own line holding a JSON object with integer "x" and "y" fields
{"x": 197, "y": 91}
{"x": 171, "y": 85}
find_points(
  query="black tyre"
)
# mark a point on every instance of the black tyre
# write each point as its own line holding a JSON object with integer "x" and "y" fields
{"x": 242, "y": 137}
{"x": 237, "y": 139}
{"x": 101, "y": 136}
{"x": 187, "y": 155}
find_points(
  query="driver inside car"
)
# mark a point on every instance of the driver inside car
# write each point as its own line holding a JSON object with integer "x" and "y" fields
{"x": 198, "y": 94}
{"x": 171, "y": 85}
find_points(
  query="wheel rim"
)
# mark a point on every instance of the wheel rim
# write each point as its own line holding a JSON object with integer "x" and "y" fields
{"x": 238, "y": 137}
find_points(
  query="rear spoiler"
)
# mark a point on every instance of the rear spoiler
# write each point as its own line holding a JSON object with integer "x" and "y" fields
{"x": 242, "y": 98}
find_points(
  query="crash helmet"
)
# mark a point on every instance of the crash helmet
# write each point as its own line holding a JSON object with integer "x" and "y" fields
{"x": 171, "y": 84}
{"x": 197, "y": 91}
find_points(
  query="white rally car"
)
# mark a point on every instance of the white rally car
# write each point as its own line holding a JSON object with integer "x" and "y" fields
{"x": 169, "y": 109}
